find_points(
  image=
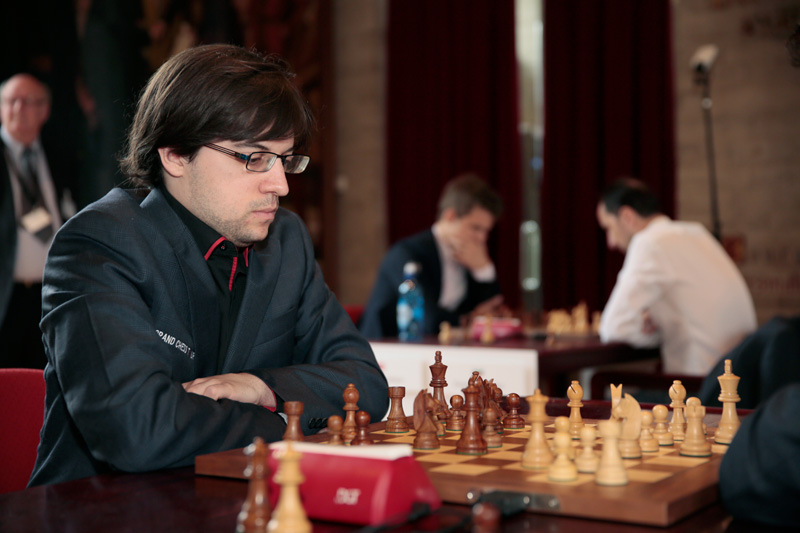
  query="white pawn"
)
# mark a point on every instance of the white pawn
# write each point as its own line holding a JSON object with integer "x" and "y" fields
{"x": 695, "y": 443}
{"x": 661, "y": 433}
{"x": 647, "y": 442}
{"x": 588, "y": 460}
{"x": 562, "y": 469}
{"x": 445, "y": 333}
{"x": 611, "y": 470}
{"x": 562, "y": 425}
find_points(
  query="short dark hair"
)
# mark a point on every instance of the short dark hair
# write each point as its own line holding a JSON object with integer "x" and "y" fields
{"x": 632, "y": 193}
{"x": 211, "y": 93}
{"x": 467, "y": 191}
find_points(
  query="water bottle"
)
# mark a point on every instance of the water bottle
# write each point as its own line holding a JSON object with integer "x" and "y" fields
{"x": 410, "y": 305}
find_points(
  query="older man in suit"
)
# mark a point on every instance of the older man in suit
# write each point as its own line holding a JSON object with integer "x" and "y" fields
{"x": 30, "y": 214}
{"x": 178, "y": 318}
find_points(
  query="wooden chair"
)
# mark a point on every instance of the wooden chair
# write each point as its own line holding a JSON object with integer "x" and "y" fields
{"x": 22, "y": 392}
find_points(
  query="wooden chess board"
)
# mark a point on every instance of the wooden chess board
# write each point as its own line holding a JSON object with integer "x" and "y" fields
{"x": 663, "y": 487}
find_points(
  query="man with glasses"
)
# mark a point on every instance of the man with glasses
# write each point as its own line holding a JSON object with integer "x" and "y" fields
{"x": 180, "y": 316}
{"x": 32, "y": 180}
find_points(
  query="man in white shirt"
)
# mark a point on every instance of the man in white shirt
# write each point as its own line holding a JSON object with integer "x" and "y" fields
{"x": 457, "y": 276}
{"x": 677, "y": 287}
{"x": 30, "y": 216}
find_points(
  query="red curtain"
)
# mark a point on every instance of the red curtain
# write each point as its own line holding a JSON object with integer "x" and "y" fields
{"x": 452, "y": 108}
{"x": 608, "y": 112}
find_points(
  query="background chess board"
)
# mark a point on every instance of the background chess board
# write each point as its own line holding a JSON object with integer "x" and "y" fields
{"x": 663, "y": 487}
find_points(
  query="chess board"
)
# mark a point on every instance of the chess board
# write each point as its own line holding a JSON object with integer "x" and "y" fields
{"x": 663, "y": 487}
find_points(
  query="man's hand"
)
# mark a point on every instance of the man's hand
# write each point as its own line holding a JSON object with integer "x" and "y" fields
{"x": 473, "y": 254}
{"x": 242, "y": 387}
{"x": 491, "y": 307}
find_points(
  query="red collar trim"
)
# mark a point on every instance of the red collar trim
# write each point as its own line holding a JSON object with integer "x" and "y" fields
{"x": 213, "y": 247}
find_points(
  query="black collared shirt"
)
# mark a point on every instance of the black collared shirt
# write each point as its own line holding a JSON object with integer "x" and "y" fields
{"x": 228, "y": 266}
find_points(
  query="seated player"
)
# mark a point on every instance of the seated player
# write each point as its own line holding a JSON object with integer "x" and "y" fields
{"x": 457, "y": 275}
{"x": 759, "y": 478}
{"x": 179, "y": 317}
{"x": 677, "y": 287}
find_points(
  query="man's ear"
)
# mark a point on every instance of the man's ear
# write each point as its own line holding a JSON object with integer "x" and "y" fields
{"x": 173, "y": 163}
{"x": 628, "y": 217}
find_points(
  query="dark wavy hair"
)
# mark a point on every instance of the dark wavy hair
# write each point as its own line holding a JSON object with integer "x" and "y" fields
{"x": 211, "y": 93}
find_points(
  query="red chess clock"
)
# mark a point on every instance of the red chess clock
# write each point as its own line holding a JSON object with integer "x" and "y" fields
{"x": 357, "y": 485}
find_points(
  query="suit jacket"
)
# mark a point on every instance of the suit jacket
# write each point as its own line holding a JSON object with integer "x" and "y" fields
{"x": 130, "y": 313}
{"x": 380, "y": 314}
{"x": 759, "y": 477}
{"x": 62, "y": 169}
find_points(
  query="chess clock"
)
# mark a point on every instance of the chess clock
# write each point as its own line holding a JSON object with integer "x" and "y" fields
{"x": 358, "y": 485}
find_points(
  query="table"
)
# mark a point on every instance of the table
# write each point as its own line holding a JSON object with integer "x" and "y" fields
{"x": 519, "y": 364}
{"x": 178, "y": 500}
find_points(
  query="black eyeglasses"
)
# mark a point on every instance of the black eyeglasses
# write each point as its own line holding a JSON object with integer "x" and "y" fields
{"x": 263, "y": 161}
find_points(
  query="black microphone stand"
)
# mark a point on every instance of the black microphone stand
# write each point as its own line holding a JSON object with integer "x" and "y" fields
{"x": 702, "y": 78}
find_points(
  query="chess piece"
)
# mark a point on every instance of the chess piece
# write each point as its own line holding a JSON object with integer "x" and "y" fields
{"x": 471, "y": 441}
{"x": 456, "y": 420}
{"x": 575, "y": 394}
{"x": 647, "y": 441}
{"x": 537, "y": 453}
{"x": 562, "y": 425}
{"x": 629, "y": 411}
{"x": 490, "y": 434}
{"x": 293, "y": 411}
{"x": 335, "y": 423}
{"x": 439, "y": 418}
{"x": 487, "y": 335}
{"x": 497, "y": 395}
{"x": 580, "y": 319}
{"x": 661, "y": 432}
{"x": 445, "y": 334}
{"x": 255, "y": 512}
{"x": 695, "y": 443}
{"x": 473, "y": 380}
{"x": 677, "y": 393}
{"x": 616, "y": 396}
{"x": 596, "y": 316}
{"x": 587, "y": 460}
{"x": 349, "y": 428}
{"x": 424, "y": 425}
{"x": 362, "y": 437}
{"x": 289, "y": 515}
{"x": 729, "y": 421}
{"x": 486, "y": 518}
{"x": 562, "y": 468}
{"x": 396, "y": 422}
{"x": 438, "y": 382}
{"x": 611, "y": 469}
{"x": 513, "y": 420}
